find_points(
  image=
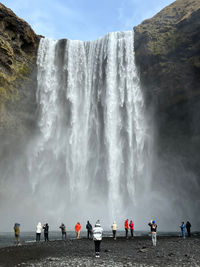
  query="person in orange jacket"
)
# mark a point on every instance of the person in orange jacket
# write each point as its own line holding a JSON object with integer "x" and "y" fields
{"x": 131, "y": 224}
{"x": 126, "y": 226}
{"x": 78, "y": 229}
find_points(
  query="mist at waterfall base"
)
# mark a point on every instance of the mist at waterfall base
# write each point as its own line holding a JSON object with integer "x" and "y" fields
{"x": 93, "y": 154}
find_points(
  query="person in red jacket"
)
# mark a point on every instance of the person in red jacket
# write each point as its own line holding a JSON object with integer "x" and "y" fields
{"x": 131, "y": 225}
{"x": 78, "y": 229}
{"x": 126, "y": 226}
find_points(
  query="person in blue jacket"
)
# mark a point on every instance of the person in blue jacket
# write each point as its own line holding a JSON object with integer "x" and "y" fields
{"x": 182, "y": 226}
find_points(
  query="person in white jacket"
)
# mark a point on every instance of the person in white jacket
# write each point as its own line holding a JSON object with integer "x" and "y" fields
{"x": 97, "y": 237}
{"x": 114, "y": 229}
{"x": 38, "y": 231}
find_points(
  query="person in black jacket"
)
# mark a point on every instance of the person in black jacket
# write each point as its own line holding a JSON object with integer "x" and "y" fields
{"x": 153, "y": 226}
{"x": 46, "y": 232}
{"x": 89, "y": 230}
{"x": 188, "y": 226}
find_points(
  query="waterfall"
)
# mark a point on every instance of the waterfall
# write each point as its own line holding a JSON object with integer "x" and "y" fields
{"x": 90, "y": 156}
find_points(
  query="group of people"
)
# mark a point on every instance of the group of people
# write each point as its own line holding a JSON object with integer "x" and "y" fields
{"x": 97, "y": 232}
{"x": 39, "y": 228}
{"x": 183, "y": 227}
{"x": 128, "y": 226}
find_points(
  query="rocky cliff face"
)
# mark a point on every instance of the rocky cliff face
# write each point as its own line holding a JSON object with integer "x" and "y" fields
{"x": 18, "y": 50}
{"x": 168, "y": 53}
{"x": 167, "y": 49}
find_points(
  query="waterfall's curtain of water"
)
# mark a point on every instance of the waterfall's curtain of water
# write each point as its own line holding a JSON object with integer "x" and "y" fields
{"x": 91, "y": 154}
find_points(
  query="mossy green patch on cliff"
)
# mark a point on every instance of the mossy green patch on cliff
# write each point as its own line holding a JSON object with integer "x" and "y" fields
{"x": 8, "y": 92}
{"x": 21, "y": 70}
{"x": 9, "y": 84}
{"x": 4, "y": 45}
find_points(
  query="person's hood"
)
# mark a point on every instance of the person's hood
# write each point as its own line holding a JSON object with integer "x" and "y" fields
{"x": 39, "y": 224}
{"x": 98, "y": 224}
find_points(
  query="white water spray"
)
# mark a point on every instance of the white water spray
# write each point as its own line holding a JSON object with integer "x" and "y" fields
{"x": 90, "y": 155}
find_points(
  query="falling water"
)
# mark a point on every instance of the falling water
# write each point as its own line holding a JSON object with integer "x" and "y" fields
{"x": 91, "y": 154}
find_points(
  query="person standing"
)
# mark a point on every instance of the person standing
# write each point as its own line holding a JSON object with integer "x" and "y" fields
{"x": 38, "y": 231}
{"x": 153, "y": 226}
{"x": 17, "y": 233}
{"x": 46, "y": 232}
{"x": 182, "y": 226}
{"x": 188, "y": 226}
{"x": 114, "y": 230}
{"x": 89, "y": 230}
{"x": 126, "y": 226}
{"x": 131, "y": 225}
{"x": 63, "y": 231}
{"x": 78, "y": 230}
{"x": 97, "y": 237}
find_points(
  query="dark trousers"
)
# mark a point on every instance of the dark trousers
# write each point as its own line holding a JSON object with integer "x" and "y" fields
{"x": 38, "y": 236}
{"x": 131, "y": 232}
{"x": 89, "y": 234}
{"x": 126, "y": 232}
{"x": 97, "y": 244}
{"x": 114, "y": 234}
{"x": 188, "y": 232}
{"x": 64, "y": 235}
{"x": 46, "y": 237}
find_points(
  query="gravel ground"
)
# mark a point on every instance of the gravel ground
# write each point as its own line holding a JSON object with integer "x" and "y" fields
{"x": 170, "y": 251}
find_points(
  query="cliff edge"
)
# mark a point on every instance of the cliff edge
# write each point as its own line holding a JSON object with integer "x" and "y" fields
{"x": 18, "y": 51}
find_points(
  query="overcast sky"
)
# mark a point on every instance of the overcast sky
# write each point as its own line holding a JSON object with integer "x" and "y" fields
{"x": 84, "y": 19}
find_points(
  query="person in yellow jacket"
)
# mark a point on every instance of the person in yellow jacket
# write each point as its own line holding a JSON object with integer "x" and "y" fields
{"x": 17, "y": 233}
{"x": 114, "y": 230}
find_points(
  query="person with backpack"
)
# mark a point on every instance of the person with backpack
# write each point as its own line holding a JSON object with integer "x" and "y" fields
{"x": 97, "y": 237}
{"x": 89, "y": 230}
{"x": 17, "y": 233}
